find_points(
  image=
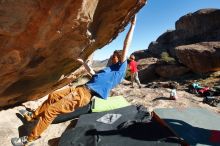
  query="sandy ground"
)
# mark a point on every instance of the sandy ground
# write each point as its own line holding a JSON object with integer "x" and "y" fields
{"x": 159, "y": 98}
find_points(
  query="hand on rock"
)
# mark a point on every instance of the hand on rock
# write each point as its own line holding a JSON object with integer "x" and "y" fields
{"x": 80, "y": 60}
{"x": 133, "y": 20}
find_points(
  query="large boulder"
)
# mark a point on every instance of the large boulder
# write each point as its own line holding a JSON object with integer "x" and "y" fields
{"x": 146, "y": 69}
{"x": 200, "y": 26}
{"x": 40, "y": 41}
{"x": 171, "y": 70}
{"x": 200, "y": 22}
{"x": 140, "y": 54}
{"x": 201, "y": 57}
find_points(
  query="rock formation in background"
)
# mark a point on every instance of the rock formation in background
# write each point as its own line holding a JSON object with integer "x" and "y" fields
{"x": 146, "y": 66}
{"x": 40, "y": 41}
{"x": 193, "y": 28}
{"x": 200, "y": 57}
{"x": 194, "y": 44}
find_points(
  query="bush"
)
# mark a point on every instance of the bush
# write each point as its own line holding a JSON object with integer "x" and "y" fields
{"x": 166, "y": 58}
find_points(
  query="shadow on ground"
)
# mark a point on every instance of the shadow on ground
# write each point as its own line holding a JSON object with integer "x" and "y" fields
{"x": 161, "y": 98}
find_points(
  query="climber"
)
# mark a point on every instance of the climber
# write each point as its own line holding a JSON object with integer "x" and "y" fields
{"x": 69, "y": 99}
{"x": 134, "y": 71}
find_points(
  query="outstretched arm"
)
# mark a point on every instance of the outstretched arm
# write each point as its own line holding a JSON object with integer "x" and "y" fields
{"x": 87, "y": 67}
{"x": 128, "y": 39}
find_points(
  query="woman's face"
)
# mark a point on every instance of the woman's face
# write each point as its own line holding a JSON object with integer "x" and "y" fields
{"x": 115, "y": 59}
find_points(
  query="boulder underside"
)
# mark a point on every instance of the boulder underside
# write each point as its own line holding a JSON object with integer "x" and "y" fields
{"x": 40, "y": 41}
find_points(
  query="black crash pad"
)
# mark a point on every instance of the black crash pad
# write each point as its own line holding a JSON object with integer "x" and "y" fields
{"x": 89, "y": 132}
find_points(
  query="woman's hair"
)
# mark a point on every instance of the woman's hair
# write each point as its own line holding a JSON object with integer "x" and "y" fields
{"x": 132, "y": 57}
{"x": 118, "y": 54}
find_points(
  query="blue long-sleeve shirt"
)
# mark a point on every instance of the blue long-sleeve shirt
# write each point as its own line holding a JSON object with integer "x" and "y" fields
{"x": 107, "y": 79}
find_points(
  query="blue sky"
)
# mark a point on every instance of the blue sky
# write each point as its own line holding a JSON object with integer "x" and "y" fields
{"x": 156, "y": 17}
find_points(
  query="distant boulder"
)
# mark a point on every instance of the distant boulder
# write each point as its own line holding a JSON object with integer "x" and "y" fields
{"x": 200, "y": 23}
{"x": 200, "y": 26}
{"x": 171, "y": 71}
{"x": 200, "y": 57}
{"x": 146, "y": 69}
{"x": 99, "y": 64}
{"x": 140, "y": 54}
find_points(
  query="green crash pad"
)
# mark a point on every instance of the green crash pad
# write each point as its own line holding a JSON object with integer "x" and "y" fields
{"x": 111, "y": 103}
{"x": 196, "y": 126}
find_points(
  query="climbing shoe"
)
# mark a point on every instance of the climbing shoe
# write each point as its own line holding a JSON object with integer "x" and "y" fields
{"x": 27, "y": 115}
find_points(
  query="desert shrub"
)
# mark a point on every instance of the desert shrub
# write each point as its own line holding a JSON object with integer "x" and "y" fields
{"x": 166, "y": 58}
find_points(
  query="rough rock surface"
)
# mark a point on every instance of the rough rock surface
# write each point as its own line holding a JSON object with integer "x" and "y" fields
{"x": 200, "y": 57}
{"x": 200, "y": 26}
{"x": 200, "y": 22}
{"x": 140, "y": 54}
{"x": 146, "y": 69}
{"x": 40, "y": 41}
{"x": 194, "y": 42}
{"x": 171, "y": 71}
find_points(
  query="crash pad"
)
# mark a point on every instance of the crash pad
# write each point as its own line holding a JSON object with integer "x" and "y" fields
{"x": 89, "y": 132}
{"x": 196, "y": 126}
{"x": 111, "y": 103}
